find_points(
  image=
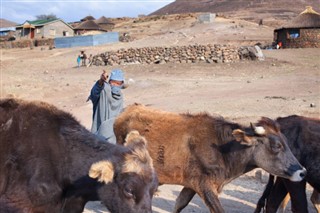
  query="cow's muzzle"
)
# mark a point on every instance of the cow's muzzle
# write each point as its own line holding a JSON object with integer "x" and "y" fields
{"x": 297, "y": 174}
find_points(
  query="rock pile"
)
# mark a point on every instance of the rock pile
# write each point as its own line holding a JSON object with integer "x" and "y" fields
{"x": 178, "y": 54}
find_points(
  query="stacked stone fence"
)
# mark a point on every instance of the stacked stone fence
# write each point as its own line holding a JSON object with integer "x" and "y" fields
{"x": 178, "y": 54}
{"x": 24, "y": 43}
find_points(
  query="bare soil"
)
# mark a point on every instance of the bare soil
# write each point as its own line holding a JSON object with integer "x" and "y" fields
{"x": 286, "y": 82}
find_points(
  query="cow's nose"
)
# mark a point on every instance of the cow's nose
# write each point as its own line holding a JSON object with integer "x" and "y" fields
{"x": 303, "y": 173}
{"x": 299, "y": 175}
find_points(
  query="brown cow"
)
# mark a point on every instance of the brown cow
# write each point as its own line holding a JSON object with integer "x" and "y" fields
{"x": 50, "y": 163}
{"x": 203, "y": 153}
{"x": 304, "y": 141}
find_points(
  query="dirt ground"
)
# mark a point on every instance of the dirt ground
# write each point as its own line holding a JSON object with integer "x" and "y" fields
{"x": 287, "y": 82}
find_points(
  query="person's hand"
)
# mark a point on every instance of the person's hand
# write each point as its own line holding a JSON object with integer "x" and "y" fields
{"x": 103, "y": 78}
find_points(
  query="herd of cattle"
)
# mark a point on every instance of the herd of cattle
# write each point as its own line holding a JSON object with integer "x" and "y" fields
{"x": 50, "y": 163}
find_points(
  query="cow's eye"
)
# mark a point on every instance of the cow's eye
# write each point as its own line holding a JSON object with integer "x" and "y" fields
{"x": 128, "y": 192}
{"x": 276, "y": 146}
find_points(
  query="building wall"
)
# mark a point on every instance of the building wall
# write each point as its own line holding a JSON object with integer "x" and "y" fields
{"x": 50, "y": 30}
{"x": 207, "y": 18}
{"x": 54, "y": 30}
{"x": 22, "y": 33}
{"x": 89, "y": 40}
{"x": 309, "y": 38}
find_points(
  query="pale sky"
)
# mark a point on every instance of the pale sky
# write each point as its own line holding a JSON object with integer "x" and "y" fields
{"x": 73, "y": 10}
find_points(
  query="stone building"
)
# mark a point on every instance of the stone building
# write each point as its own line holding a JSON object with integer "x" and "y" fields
{"x": 49, "y": 28}
{"x": 302, "y": 32}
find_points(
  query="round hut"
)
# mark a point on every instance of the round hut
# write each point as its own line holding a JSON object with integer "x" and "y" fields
{"x": 91, "y": 18}
{"x": 302, "y": 32}
{"x": 105, "y": 23}
{"x": 88, "y": 27}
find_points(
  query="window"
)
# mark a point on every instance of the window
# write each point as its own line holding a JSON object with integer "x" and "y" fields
{"x": 38, "y": 30}
{"x": 294, "y": 33}
{"x": 52, "y": 32}
{"x": 65, "y": 33}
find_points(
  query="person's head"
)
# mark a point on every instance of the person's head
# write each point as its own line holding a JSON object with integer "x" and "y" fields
{"x": 116, "y": 77}
{"x": 116, "y": 80}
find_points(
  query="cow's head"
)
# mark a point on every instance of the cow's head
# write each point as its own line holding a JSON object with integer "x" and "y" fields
{"x": 271, "y": 151}
{"x": 132, "y": 183}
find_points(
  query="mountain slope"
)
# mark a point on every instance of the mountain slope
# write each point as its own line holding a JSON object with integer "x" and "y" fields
{"x": 6, "y": 23}
{"x": 272, "y": 11}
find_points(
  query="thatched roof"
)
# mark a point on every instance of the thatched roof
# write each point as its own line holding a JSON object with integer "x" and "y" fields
{"x": 88, "y": 18}
{"x": 88, "y": 25}
{"x": 307, "y": 19}
{"x": 103, "y": 20}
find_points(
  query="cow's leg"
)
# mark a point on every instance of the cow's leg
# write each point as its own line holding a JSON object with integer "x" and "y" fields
{"x": 284, "y": 204}
{"x": 183, "y": 199}
{"x": 262, "y": 201}
{"x": 315, "y": 199}
{"x": 298, "y": 195}
{"x": 276, "y": 196}
{"x": 210, "y": 196}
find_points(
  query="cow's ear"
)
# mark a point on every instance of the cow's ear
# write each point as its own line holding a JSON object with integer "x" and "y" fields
{"x": 103, "y": 171}
{"x": 243, "y": 138}
{"x": 134, "y": 138}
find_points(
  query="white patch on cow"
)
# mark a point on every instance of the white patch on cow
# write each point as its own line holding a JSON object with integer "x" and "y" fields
{"x": 7, "y": 125}
{"x": 259, "y": 130}
{"x": 102, "y": 170}
{"x": 298, "y": 175}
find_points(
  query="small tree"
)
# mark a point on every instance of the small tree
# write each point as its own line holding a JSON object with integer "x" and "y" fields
{"x": 46, "y": 17}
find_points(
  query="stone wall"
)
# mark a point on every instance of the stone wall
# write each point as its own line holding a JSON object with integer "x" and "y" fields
{"x": 178, "y": 54}
{"x": 309, "y": 38}
{"x": 161, "y": 55}
{"x": 24, "y": 43}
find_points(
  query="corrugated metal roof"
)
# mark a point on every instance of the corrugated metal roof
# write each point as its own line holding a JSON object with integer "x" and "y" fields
{"x": 4, "y": 29}
{"x": 37, "y": 23}
{"x": 41, "y": 22}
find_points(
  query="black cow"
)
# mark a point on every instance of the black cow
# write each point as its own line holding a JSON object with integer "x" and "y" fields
{"x": 304, "y": 140}
{"x": 50, "y": 163}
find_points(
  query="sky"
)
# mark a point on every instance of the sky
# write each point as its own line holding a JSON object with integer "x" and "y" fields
{"x": 73, "y": 10}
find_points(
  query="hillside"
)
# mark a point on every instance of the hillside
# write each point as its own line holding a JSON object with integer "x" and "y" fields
{"x": 272, "y": 12}
{"x": 5, "y": 23}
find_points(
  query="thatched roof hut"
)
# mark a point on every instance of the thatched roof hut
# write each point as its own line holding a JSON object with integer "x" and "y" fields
{"x": 302, "y": 31}
{"x": 87, "y": 18}
{"x": 105, "y": 23}
{"x": 103, "y": 20}
{"x": 307, "y": 19}
{"x": 86, "y": 26}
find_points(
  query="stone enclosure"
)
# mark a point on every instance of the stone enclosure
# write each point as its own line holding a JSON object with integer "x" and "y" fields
{"x": 178, "y": 54}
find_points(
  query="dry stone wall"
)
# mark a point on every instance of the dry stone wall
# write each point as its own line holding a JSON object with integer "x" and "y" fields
{"x": 178, "y": 54}
{"x": 24, "y": 43}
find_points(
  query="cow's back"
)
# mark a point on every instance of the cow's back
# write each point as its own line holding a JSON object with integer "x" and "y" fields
{"x": 304, "y": 140}
{"x": 176, "y": 141}
{"x": 31, "y": 154}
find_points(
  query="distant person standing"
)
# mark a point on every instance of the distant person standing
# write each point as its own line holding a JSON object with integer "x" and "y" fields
{"x": 83, "y": 57}
{"x": 107, "y": 100}
{"x": 79, "y": 60}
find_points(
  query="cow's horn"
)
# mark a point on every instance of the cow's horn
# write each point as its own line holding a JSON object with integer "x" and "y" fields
{"x": 259, "y": 130}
